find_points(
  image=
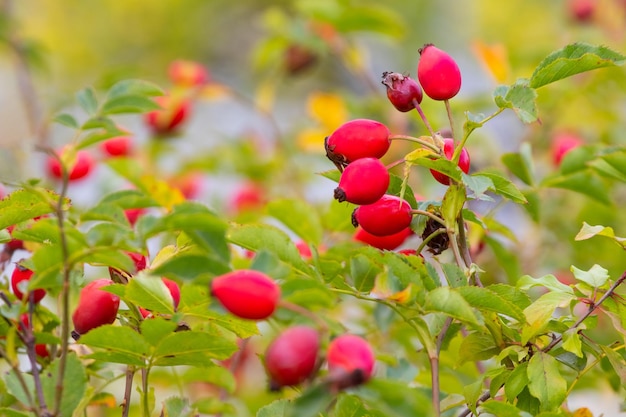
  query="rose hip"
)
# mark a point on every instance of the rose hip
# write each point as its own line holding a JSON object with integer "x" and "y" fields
{"x": 246, "y": 293}
{"x": 356, "y": 139}
{"x": 350, "y": 360}
{"x": 23, "y": 275}
{"x": 291, "y": 357}
{"x": 385, "y": 217}
{"x": 82, "y": 166}
{"x": 390, "y": 242}
{"x": 448, "y": 151}
{"x": 96, "y": 307}
{"x": 402, "y": 91}
{"x": 438, "y": 73}
{"x": 364, "y": 181}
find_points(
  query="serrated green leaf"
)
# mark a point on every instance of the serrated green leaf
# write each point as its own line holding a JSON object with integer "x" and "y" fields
{"x": 155, "y": 329}
{"x": 502, "y": 409}
{"x": 74, "y": 384}
{"x": 583, "y": 182}
{"x": 519, "y": 97}
{"x": 477, "y": 347}
{"x": 596, "y": 276}
{"x": 521, "y": 164}
{"x": 485, "y": 299}
{"x": 300, "y": 217}
{"x": 478, "y": 185}
{"x": 96, "y": 137}
{"x": 502, "y": 186}
{"x": 572, "y": 342}
{"x": 350, "y": 406}
{"x": 134, "y": 87}
{"x": 189, "y": 266}
{"x": 276, "y": 408}
{"x": 150, "y": 292}
{"x": 540, "y": 312}
{"x": 128, "y": 104}
{"x": 394, "y": 398}
{"x": 192, "y": 348}
{"x": 175, "y": 407}
{"x": 574, "y": 59}
{"x": 66, "y": 120}
{"x": 217, "y": 375}
{"x": 87, "y": 100}
{"x": 588, "y": 231}
{"x": 545, "y": 381}
{"x": 363, "y": 272}
{"x": 516, "y": 382}
{"x": 617, "y": 362}
{"x": 452, "y": 204}
{"x": 120, "y": 344}
{"x": 548, "y": 281}
{"x": 472, "y": 393}
{"x": 448, "y": 301}
{"x": 22, "y": 205}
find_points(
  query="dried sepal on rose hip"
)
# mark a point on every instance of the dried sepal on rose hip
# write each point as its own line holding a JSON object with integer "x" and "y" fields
{"x": 438, "y": 73}
{"x": 448, "y": 151}
{"x": 363, "y": 181}
{"x": 385, "y": 217}
{"x": 402, "y": 91}
{"x": 246, "y": 293}
{"x": 356, "y": 139}
{"x": 291, "y": 358}
{"x": 350, "y": 361}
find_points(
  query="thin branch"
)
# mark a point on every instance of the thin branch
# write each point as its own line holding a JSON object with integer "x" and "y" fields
{"x": 128, "y": 389}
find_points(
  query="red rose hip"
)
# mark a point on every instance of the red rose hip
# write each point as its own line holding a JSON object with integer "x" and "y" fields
{"x": 448, "y": 151}
{"x": 166, "y": 120}
{"x": 174, "y": 290}
{"x": 81, "y": 168}
{"x": 385, "y": 217}
{"x": 364, "y": 181}
{"x": 291, "y": 357}
{"x": 19, "y": 283}
{"x": 350, "y": 360}
{"x": 562, "y": 143}
{"x": 356, "y": 139}
{"x": 389, "y": 242}
{"x": 402, "y": 91}
{"x": 117, "y": 146}
{"x": 247, "y": 294}
{"x": 438, "y": 73}
{"x": 95, "y": 308}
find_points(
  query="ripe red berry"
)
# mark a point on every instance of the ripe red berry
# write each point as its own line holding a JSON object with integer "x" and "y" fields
{"x": 246, "y": 293}
{"x": 41, "y": 349}
{"x": 166, "y": 120}
{"x": 582, "y": 11}
{"x": 117, "y": 146}
{"x": 96, "y": 307}
{"x": 448, "y": 151}
{"x": 402, "y": 91}
{"x": 364, "y": 181}
{"x": 187, "y": 73}
{"x": 438, "y": 73}
{"x": 390, "y": 242}
{"x": 83, "y": 165}
{"x": 19, "y": 283}
{"x": 291, "y": 357}
{"x": 138, "y": 259}
{"x": 350, "y": 360}
{"x": 385, "y": 217}
{"x": 356, "y": 139}
{"x": 133, "y": 214}
{"x": 249, "y": 197}
{"x": 174, "y": 290}
{"x": 562, "y": 143}
{"x": 13, "y": 244}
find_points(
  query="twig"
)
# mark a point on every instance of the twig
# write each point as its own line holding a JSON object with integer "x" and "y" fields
{"x": 130, "y": 373}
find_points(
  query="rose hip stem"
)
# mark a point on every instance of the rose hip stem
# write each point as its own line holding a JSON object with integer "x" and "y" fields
{"x": 423, "y": 116}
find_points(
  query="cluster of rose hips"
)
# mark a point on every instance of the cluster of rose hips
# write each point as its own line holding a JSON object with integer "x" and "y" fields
{"x": 294, "y": 355}
{"x": 356, "y": 147}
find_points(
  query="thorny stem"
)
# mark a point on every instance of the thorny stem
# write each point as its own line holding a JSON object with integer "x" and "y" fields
{"x": 424, "y": 143}
{"x": 423, "y": 116}
{"x": 450, "y": 119}
{"x": 486, "y": 395}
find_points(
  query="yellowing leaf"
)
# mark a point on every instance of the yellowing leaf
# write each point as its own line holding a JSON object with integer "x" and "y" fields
{"x": 494, "y": 58}
{"x": 382, "y": 291}
{"x": 311, "y": 140}
{"x": 583, "y": 412}
{"x": 328, "y": 109}
{"x": 162, "y": 192}
{"x": 163, "y": 255}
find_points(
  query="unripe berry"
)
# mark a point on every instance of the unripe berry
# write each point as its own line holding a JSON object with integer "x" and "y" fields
{"x": 19, "y": 282}
{"x": 350, "y": 360}
{"x": 402, "y": 91}
{"x": 385, "y": 217}
{"x": 364, "y": 181}
{"x": 117, "y": 146}
{"x": 356, "y": 139}
{"x": 246, "y": 293}
{"x": 82, "y": 166}
{"x": 95, "y": 308}
{"x": 438, "y": 73}
{"x": 291, "y": 357}
{"x": 390, "y": 242}
{"x": 448, "y": 151}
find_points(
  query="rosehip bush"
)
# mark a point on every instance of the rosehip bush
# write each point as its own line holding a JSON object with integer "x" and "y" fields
{"x": 366, "y": 290}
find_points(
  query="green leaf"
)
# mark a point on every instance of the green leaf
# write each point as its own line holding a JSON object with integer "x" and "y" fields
{"x": 596, "y": 276}
{"x": 22, "y": 205}
{"x": 87, "y": 100}
{"x": 300, "y": 217}
{"x": 350, "y": 406}
{"x": 612, "y": 165}
{"x": 175, "y": 407}
{"x": 583, "y": 182}
{"x": 128, "y": 104}
{"x": 548, "y": 281}
{"x": 545, "y": 381}
{"x": 311, "y": 402}
{"x": 617, "y": 362}
{"x": 502, "y": 186}
{"x": 452, "y": 204}
{"x": 477, "y": 347}
{"x": 519, "y": 97}
{"x": 155, "y": 329}
{"x": 66, "y": 120}
{"x": 192, "y": 348}
{"x": 588, "y": 231}
{"x": 572, "y": 342}
{"x": 371, "y": 18}
{"x": 363, "y": 272}
{"x": 217, "y": 375}
{"x": 521, "y": 163}
{"x": 485, "y": 299}
{"x": 74, "y": 384}
{"x": 189, "y": 265}
{"x": 454, "y": 275}
{"x": 574, "y": 59}
{"x": 134, "y": 87}
{"x": 150, "y": 292}
{"x": 120, "y": 344}
{"x": 501, "y": 409}
{"x": 448, "y": 301}
{"x": 472, "y": 393}
{"x": 260, "y": 236}
{"x": 539, "y": 313}
{"x": 8, "y": 412}
{"x": 276, "y": 408}
{"x": 516, "y": 382}
{"x": 478, "y": 186}
{"x": 96, "y": 137}
{"x": 394, "y": 398}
